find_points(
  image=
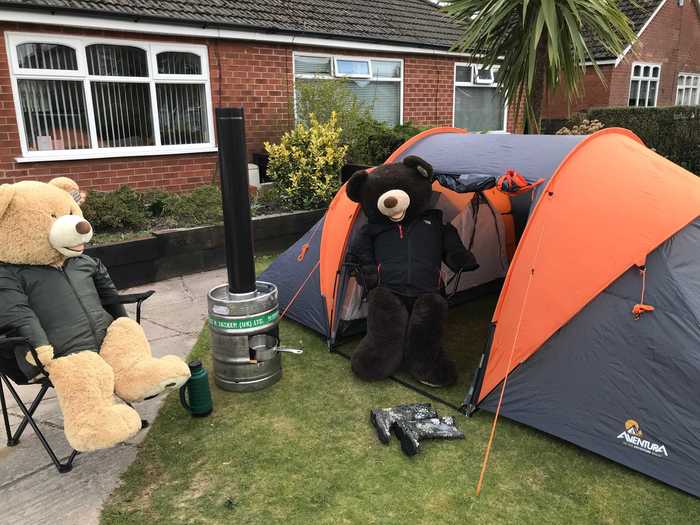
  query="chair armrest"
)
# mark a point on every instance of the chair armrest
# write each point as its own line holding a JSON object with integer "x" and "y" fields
{"x": 132, "y": 298}
{"x": 128, "y": 298}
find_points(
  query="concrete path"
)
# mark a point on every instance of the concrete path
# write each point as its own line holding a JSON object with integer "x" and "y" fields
{"x": 31, "y": 490}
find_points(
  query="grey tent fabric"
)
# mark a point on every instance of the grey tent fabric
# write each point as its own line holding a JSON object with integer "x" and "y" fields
{"x": 290, "y": 275}
{"x": 626, "y": 389}
{"x": 491, "y": 155}
{"x": 463, "y": 160}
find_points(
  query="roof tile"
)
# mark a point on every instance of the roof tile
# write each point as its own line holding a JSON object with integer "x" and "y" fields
{"x": 403, "y": 22}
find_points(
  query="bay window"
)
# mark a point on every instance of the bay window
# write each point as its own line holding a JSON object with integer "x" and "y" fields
{"x": 688, "y": 89}
{"x": 377, "y": 83}
{"x": 78, "y": 97}
{"x": 478, "y": 106}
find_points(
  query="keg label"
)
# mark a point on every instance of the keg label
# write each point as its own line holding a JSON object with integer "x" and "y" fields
{"x": 244, "y": 323}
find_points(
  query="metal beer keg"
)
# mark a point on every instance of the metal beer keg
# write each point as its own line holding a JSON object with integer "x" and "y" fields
{"x": 244, "y": 337}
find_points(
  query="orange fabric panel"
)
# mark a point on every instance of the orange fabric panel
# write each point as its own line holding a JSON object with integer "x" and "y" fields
{"x": 337, "y": 226}
{"x": 611, "y": 202}
{"x": 499, "y": 200}
{"x": 509, "y": 227}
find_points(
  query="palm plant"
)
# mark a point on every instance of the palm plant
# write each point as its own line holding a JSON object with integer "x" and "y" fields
{"x": 540, "y": 45}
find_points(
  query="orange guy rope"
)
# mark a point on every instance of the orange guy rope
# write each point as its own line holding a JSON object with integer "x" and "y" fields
{"x": 492, "y": 435}
{"x": 294, "y": 298}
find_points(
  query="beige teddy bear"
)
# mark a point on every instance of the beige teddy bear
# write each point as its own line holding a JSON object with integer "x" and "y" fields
{"x": 52, "y": 294}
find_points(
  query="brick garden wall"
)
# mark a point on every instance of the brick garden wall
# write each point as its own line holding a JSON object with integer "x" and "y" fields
{"x": 256, "y": 76}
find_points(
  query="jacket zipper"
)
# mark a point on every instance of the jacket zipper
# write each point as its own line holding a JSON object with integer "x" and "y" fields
{"x": 408, "y": 249}
{"x": 80, "y": 302}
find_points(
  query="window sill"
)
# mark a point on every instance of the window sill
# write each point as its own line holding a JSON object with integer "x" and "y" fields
{"x": 116, "y": 153}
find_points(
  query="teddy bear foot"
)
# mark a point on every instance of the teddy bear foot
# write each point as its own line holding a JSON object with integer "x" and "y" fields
{"x": 151, "y": 377}
{"x": 102, "y": 428}
{"x": 84, "y": 385}
{"x": 440, "y": 374}
{"x": 371, "y": 365}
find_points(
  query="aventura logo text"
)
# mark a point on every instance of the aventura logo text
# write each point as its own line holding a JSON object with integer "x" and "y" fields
{"x": 634, "y": 437}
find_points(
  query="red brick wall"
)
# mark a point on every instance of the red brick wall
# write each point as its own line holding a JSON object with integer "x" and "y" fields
{"x": 256, "y": 76}
{"x": 595, "y": 93}
{"x": 672, "y": 39}
{"x": 428, "y": 90}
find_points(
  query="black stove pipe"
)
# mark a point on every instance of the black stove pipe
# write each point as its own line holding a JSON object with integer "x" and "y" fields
{"x": 233, "y": 170}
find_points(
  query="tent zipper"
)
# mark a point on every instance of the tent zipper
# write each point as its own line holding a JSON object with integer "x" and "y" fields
{"x": 87, "y": 316}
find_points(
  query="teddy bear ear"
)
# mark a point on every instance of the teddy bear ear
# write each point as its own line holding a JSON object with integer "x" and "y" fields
{"x": 423, "y": 167}
{"x": 69, "y": 186}
{"x": 7, "y": 192}
{"x": 356, "y": 185}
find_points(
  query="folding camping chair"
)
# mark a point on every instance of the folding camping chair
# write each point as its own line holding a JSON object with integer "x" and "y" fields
{"x": 9, "y": 370}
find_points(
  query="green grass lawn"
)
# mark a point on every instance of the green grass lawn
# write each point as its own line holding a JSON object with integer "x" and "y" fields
{"x": 303, "y": 452}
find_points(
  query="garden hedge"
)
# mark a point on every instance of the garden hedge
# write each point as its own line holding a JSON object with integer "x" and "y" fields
{"x": 673, "y": 132}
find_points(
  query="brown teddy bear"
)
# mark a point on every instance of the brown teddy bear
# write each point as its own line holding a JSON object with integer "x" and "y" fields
{"x": 52, "y": 294}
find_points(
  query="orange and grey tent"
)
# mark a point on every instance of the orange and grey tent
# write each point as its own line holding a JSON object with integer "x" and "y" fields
{"x": 597, "y": 326}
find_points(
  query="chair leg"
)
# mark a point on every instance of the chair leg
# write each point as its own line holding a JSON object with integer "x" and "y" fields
{"x": 5, "y": 416}
{"x": 35, "y": 404}
{"x": 28, "y": 419}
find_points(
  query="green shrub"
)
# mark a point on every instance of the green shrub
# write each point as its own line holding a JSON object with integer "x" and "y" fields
{"x": 322, "y": 98}
{"x": 377, "y": 141}
{"x": 201, "y": 206}
{"x": 122, "y": 209}
{"x": 673, "y": 132}
{"x": 305, "y": 165}
{"x": 369, "y": 141}
{"x": 155, "y": 202}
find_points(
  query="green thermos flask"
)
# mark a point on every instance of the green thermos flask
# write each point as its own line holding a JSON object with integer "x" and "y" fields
{"x": 195, "y": 395}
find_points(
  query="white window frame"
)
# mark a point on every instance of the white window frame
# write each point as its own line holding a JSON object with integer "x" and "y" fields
{"x": 641, "y": 79}
{"x": 333, "y": 74}
{"x": 12, "y": 40}
{"x": 475, "y": 83}
{"x": 352, "y": 75}
{"x": 696, "y": 102}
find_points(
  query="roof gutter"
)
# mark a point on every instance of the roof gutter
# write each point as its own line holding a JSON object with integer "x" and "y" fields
{"x": 163, "y": 26}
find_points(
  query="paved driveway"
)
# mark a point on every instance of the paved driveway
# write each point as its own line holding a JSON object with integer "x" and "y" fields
{"x": 31, "y": 491}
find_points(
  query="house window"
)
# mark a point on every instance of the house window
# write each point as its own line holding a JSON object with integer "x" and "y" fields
{"x": 688, "y": 90}
{"x": 478, "y": 106}
{"x": 377, "y": 83}
{"x": 82, "y": 98}
{"x": 644, "y": 85}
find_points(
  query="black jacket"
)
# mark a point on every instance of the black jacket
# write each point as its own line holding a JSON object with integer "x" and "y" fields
{"x": 58, "y": 306}
{"x": 407, "y": 258}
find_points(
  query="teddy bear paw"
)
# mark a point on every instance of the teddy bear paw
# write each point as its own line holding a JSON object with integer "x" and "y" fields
{"x": 150, "y": 377}
{"x": 102, "y": 428}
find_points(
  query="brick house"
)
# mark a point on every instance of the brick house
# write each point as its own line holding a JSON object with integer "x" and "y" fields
{"x": 661, "y": 69}
{"x": 113, "y": 93}
{"x": 123, "y": 93}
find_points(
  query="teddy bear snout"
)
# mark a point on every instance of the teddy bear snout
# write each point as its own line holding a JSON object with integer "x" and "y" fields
{"x": 69, "y": 234}
{"x": 393, "y": 204}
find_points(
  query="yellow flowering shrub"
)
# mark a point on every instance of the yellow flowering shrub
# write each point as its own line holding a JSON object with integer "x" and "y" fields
{"x": 305, "y": 165}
